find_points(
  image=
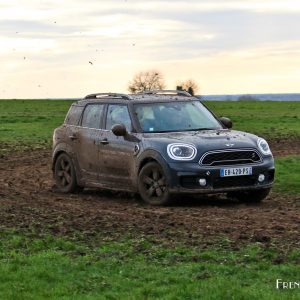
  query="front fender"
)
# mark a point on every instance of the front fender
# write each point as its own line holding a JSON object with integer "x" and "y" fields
{"x": 152, "y": 155}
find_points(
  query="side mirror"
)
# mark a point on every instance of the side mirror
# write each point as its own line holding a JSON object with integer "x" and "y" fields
{"x": 119, "y": 130}
{"x": 226, "y": 122}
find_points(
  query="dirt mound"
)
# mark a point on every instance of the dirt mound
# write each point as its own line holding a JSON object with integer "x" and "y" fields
{"x": 284, "y": 147}
{"x": 29, "y": 203}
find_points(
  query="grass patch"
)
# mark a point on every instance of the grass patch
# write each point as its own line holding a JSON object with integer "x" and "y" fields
{"x": 138, "y": 269}
{"x": 270, "y": 119}
{"x": 30, "y": 123}
{"x": 288, "y": 174}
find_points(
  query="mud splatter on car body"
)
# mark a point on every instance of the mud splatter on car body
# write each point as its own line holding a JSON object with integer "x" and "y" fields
{"x": 158, "y": 144}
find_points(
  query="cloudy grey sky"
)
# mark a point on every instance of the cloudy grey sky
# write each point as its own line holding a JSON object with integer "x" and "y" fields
{"x": 73, "y": 47}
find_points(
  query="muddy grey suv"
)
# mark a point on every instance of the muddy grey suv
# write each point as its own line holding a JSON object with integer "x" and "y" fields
{"x": 158, "y": 144}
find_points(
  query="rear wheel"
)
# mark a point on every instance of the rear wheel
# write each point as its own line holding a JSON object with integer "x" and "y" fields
{"x": 250, "y": 196}
{"x": 152, "y": 185}
{"x": 65, "y": 175}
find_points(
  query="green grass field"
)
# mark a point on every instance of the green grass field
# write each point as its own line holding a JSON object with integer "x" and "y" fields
{"x": 30, "y": 123}
{"x": 35, "y": 267}
{"x": 288, "y": 174}
{"x": 269, "y": 119}
{"x": 55, "y": 268}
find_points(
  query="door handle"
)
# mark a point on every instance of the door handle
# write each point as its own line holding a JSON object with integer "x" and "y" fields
{"x": 73, "y": 137}
{"x": 104, "y": 141}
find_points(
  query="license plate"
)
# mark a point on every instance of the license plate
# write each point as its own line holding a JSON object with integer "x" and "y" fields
{"x": 236, "y": 171}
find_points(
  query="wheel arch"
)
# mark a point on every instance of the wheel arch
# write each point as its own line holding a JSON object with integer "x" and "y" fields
{"x": 152, "y": 156}
{"x": 61, "y": 148}
{"x": 67, "y": 149}
{"x": 145, "y": 161}
{"x": 55, "y": 156}
{"x": 148, "y": 156}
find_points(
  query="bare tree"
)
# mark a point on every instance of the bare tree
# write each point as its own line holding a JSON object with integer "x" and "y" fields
{"x": 146, "y": 81}
{"x": 189, "y": 85}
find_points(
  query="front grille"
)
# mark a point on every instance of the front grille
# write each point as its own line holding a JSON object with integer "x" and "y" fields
{"x": 234, "y": 182}
{"x": 230, "y": 157}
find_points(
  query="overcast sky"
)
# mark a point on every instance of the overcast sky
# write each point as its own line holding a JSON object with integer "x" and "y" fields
{"x": 71, "y": 48}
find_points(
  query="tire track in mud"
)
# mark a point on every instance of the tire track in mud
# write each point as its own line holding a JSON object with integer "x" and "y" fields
{"x": 28, "y": 202}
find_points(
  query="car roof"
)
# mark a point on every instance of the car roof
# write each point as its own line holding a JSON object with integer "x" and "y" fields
{"x": 151, "y": 96}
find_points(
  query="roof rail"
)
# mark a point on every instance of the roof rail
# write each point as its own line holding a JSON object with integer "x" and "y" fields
{"x": 108, "y": 95}
{"x": 178, "y": 92}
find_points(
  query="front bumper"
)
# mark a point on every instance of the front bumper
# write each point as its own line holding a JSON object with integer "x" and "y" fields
{"x": 184, "y": 177}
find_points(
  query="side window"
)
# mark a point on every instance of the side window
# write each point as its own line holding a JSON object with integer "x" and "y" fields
{"x": 118, "y": 114}
{"x": 73, "y": 115}
{"x": 92, "y": 116}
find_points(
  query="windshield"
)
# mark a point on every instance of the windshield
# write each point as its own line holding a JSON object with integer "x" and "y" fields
{"x": 174, "y": 116}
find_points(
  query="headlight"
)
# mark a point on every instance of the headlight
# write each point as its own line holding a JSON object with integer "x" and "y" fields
{"x": 264, "y": 147}
{"x": 181, "y": 151}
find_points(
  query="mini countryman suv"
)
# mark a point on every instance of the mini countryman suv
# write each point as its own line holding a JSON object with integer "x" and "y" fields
{"x": 158, "y": 144}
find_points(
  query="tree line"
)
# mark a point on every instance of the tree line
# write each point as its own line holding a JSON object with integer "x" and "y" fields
{"x": 154, "y": 80}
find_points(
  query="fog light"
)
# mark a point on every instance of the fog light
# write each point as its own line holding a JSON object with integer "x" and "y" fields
{"x": 261, "y": 177}
{"x": 202, "y": 181}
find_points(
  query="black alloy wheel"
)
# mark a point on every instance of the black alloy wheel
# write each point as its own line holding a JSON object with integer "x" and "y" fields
{"x": 152, "y": 185}
{"x": 64, "y": 174}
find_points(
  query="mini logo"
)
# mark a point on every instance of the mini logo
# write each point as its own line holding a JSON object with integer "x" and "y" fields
{"x": 229, "y": 144}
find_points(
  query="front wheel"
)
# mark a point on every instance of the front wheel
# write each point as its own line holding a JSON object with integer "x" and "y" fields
{"x": 250, "y": 196}
{"x": 64, "y": 174}
{"x": 152, "y": 185}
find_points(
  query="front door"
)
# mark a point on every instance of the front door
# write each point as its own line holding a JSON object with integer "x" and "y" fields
{"x": 116, "y": 153}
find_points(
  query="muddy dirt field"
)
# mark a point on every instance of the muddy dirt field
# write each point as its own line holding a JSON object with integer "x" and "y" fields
{"x": 29, "y": 203}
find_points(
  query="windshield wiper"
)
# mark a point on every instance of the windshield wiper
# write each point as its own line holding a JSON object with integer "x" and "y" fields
{"x": 198, "y": 129}
{"x": 181, "y": 130}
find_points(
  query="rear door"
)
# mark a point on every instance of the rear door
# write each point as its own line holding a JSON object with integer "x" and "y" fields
{"x": 116, "y": 152}
{"x": 89, "y": 134}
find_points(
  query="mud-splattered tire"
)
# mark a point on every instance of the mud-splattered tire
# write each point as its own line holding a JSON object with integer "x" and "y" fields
{"x": 153, "y": 186}
{"x": 65, "y": 175}
{"x": 250, "y": 196}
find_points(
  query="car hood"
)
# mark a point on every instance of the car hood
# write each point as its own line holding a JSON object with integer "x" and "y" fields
{"x": 205, "y": 140}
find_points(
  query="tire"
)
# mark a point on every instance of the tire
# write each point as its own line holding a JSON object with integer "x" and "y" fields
{"x": 250, "y": 196}
{"x": 152, "y": 185}
{"x": 65, "y": 175}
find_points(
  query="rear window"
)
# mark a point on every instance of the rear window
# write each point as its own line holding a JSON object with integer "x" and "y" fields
{"x": 73, "y": 115}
